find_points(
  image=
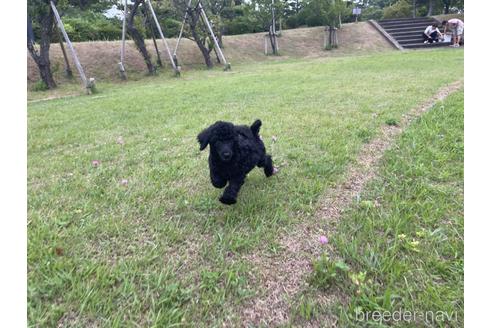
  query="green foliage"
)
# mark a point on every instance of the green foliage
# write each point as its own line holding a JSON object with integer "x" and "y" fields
{"x": 391, "y": 122}
{"x": 306, "y": 308}
{"x": 400, "y": 9}
{"x": 39, "y": 86}
{"x": 320, "y": 12}
{"x": 371, "y": 13}
{"x": 327, "y": 273}
{"x": 90, "y": 26}
{"x": 81, "y": 25}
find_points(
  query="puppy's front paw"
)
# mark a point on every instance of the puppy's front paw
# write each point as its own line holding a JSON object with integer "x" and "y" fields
{"x": 227, "y": 200}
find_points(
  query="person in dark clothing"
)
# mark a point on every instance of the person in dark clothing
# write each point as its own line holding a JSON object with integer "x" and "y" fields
{"x": 431, "y": 34}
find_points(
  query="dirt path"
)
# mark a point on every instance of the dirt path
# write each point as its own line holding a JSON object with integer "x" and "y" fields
{"x": 283, "y": 276}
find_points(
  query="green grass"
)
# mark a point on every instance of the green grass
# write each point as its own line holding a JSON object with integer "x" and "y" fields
{"x": 163, "y": 251}
{"x": 403, "y": 240}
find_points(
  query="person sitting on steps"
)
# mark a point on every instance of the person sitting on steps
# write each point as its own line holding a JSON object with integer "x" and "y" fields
{"x": 431, "y": 34}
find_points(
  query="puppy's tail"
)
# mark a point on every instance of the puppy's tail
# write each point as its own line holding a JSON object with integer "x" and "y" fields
{"x": 255, "y": 127}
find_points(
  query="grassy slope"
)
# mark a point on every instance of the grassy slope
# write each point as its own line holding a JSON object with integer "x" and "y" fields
{"x": 403, "y": 240}
{"x": 100, "y": 59}
{"x": 163, "y": 250}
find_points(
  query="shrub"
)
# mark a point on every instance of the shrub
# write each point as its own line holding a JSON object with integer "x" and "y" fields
{"x": 39, "y": 86}
{"x": 316, "y": 20}
{"x": 292, "y": 21}
{"x": 371, "y": 13}
{"x": 400, "y": 9}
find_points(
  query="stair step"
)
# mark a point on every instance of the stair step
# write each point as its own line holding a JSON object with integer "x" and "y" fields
{"x": 407, "y": 21}
{"x": 406, "y": 33}
{"x": 405, "y": 29}
{"x": 424, "y": 45}
{"x": 404, "y": 38}
{"x": 418, "y": 19}
{"x": 422, "y": 25}
{"x": 403, "y": 43}
{"x": 412, "y": 42}
{"x": 408, "y": 36}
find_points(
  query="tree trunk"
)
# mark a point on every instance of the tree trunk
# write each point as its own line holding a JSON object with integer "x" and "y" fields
{"x": 414, "y": 8}
{"x": 431, "y": 7}
{"x": 201, "y": 45}
{"x": 138, "y": 38}
{"x": 42, "y": 57}
{"x": 272, "y": 36}
{"x": 194, "y": 17}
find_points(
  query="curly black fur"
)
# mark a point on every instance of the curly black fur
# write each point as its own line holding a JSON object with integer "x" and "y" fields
{"x": 234, "y": 151}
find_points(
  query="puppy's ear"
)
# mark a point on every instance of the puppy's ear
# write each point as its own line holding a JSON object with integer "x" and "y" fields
{"x": 204, "y": 137}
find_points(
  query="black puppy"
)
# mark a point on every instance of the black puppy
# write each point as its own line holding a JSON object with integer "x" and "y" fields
{"x": 234, "y": 151}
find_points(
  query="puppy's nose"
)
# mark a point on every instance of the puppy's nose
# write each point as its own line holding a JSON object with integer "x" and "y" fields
{"x": 226, "y": 154}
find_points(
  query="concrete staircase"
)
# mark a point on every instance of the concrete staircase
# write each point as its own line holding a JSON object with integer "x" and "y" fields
{"x": 406, "y": 33}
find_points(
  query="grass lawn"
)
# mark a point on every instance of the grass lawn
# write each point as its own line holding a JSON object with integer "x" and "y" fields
{"x": 162, "y": 250}
{"x": 402, "y": 242}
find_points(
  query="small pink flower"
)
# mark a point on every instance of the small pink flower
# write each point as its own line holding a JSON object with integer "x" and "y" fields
{"x": 323, "y": 240}
{"x": 275, "y": 170}
{"x": 96, "y": 163}
{"x": 120, "y": 140}
{"x": 124, "y": 182}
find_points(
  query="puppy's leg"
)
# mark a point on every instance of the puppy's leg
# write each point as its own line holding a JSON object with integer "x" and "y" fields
{"x": 230, "y": 193}
{"x": 217, "y": 180}
{"x": 268, "y": 165}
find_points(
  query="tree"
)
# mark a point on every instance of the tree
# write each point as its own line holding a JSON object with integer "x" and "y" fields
{"x": 41, "y": 12}
{"x": 137, "y": 36}
{"x": 195, "y": 29}
{"x": 452, "y": 4}
{"x": 399, "y": 9}
{"x": 430, "y": 7}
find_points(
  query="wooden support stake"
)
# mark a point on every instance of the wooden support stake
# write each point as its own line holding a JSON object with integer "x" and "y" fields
{"x": 148, "y": 23}
{"x": 227, "y": 66}
{"x": 176, "y": 70}
{"x": 181, "y": 31}
{"x": 68, "y": 70}
{"x": 325, "y": 41}
{"x": 330, "y": 38}
{"x": 121, "y": 64}
{"x": 88, "y": 84}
